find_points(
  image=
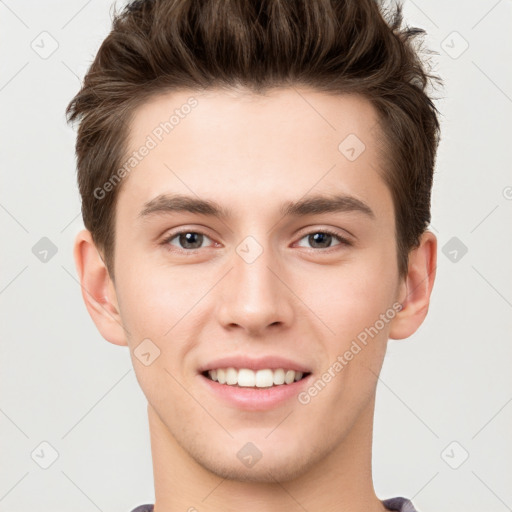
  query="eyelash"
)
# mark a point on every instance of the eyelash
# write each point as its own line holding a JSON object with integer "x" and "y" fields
{"x": 172, "y": 236}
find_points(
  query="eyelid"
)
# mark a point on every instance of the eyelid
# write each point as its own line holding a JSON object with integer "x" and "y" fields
{"x": 325, "y": 229}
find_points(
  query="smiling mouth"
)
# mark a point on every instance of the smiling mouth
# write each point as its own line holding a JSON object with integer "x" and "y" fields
{"x": 247, "y": 378}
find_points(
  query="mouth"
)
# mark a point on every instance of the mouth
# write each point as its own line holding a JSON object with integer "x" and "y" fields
{"x": 246, "y": 378}
{"x": 254, "y": 384}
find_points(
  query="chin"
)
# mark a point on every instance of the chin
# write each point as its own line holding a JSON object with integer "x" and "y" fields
{"x": 264, "y": 473}
{"x": 277, "y": 467}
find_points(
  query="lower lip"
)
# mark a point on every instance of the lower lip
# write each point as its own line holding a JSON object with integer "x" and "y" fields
{"x": 255, "y": 399}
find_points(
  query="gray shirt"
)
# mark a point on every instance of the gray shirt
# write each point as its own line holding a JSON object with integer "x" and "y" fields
{"x": 397, "y": 504}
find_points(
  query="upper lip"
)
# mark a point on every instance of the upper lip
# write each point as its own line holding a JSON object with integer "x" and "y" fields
{"x": 255, "y": 363}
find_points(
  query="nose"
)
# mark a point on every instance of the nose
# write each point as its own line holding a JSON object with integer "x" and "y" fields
{"x": 254, "y": 296}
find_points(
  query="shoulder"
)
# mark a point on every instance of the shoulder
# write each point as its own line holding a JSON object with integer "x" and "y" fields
{"x": 398, "y": 504}
{"x": 143, "y": 508}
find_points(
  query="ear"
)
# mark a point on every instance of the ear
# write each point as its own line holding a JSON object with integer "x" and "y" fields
{"x": 416, "y": 287}
{"x": 98, "y": 289}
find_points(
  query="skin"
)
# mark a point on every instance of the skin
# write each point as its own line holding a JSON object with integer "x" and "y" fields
{"x": 250, "y": 154}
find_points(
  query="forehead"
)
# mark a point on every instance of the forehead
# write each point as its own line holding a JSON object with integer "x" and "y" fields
{"x": 249, "y": 149}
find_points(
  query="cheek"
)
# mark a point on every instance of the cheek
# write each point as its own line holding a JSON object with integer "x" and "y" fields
{"x": 351, "y": 297}
{"x": 156, "y": 306}
{"x": 151, "y": 301}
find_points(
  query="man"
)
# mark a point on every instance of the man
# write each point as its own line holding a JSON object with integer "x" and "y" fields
{"x": 255, "y": 182}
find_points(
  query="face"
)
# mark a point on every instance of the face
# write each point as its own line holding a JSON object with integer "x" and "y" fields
{"x": 298, "y": 273}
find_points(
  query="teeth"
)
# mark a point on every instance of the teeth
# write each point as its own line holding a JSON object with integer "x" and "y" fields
{"x": 249, "y": 378}
{"x": 231, "y": 376}
{"x": 279, "y": 376}
{"x": 264, "y": 378}
{"x": 245, "y": 378}
{"x": 289, "y": 376}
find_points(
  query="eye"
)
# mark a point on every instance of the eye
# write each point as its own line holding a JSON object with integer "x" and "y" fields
{"x": 322, "y": 239}
{"x": 186, "y": 240}
{"x": 189, "y": 241}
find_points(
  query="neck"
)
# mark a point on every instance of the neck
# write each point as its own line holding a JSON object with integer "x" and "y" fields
{"x": 341, "y": 482}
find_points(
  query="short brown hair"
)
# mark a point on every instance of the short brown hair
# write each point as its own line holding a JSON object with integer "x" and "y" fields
{"x": 336, "y": 46}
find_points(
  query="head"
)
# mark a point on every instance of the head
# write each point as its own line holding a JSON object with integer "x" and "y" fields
{"x": 261, "y": 113}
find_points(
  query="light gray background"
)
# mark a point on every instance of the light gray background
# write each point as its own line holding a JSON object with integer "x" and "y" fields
{"x": 443, "y": 392}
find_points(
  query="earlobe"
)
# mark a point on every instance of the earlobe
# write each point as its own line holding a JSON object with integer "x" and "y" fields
{"x": 98, "y": 291}
{"x": 416, "y": 289}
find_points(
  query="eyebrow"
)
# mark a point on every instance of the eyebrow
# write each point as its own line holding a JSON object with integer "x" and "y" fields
{"x": 312, "y": 205}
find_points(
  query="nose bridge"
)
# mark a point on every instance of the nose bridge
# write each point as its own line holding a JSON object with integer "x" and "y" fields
{"x": 254, "y": 298}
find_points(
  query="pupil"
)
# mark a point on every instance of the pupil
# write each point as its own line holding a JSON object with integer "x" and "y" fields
{"x": 188, "y": 238}
{"x": 320, "y": 238}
